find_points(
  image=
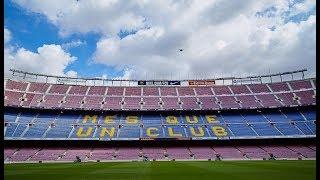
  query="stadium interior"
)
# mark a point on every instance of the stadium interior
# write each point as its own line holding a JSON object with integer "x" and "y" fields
{"x": 57, "y": 122}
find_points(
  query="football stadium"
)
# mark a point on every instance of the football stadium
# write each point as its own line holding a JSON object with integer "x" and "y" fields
{"x": 159, "y": 90}
{"x": 196, "y": 124}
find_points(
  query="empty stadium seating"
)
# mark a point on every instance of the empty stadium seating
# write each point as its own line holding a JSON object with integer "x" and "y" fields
{"x": 158, "y": 153}
{"x": 28, "y": 125}
{"x": 43, "y": 111}
{"x": 159, "y": 98}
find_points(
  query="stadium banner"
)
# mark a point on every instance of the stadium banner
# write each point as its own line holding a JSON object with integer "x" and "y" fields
{"x": 67, "y": 81}
{"x": 142, "y": 83}
{"x": 247, "y": 80}
{"x": 201, "y": 82}
{"x": 159, "y": 83}
{"x": 174, "y": 82}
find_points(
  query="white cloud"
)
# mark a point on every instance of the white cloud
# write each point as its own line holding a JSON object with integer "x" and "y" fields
{"x": 87, "y": 16}
{"x": 218, "y": 36}
{"x": 72, "y": 73}
{"x": 303, "y": 7}
{"x": 7, "y": 35}
{"x": 73, "y": 44}
{"x": 49, "y": 59}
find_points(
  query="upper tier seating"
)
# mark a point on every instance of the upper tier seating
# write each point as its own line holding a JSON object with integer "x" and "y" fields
{"x": 133, "y": 91}
{"x": 58, "y": 89}
{"x": 81, "y": 90}
{"x": 115, "y": 91}
{"x": 31, "y": 94}
{"x": 38, "y": 87}
{"x": 240, "y": 89}
{"x": 259, "y": 88}
{"x": 297, "y": 85}
{"x": 150, "y": 91}
{"x": 203, "y": 91}
{"x": 97, "y": 90}
{"x": 278, "y": 87}
{"x": 16, "y": 85}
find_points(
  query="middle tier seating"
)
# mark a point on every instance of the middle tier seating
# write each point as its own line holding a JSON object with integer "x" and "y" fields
{"x": 68, "y": 125}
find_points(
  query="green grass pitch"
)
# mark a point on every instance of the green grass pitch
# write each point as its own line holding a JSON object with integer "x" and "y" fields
{"x": 199, "y": 170}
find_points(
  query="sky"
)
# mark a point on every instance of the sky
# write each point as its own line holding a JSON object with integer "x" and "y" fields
{"x": 141, "y": 39}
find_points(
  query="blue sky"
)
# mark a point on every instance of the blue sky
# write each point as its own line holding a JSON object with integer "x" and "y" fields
{"x": 130, "y": 40}
{"x": 32, "y": 30}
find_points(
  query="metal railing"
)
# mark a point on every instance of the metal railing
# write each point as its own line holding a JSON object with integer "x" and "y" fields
{"x": 259, "y": 79}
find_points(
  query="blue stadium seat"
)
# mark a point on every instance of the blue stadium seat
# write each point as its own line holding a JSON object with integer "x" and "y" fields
{"x": 288, "y": 129}
{"x": 312, "y": 126}
{"x": 304, "y": 128}
{"x": 156, "y": 131}
{"x": 10, "y": 128}
{"x": 218, "y": 118}
{"x": 86, "y": 133}
{"x": 309, "y": 114}
{"x": 254, "y": 117}
{"x": 265, "y": 129}
{"x": 164, "y": 119}
{"x": 294, "y": 116}
{"x": 112, "y": 119}
{"x": 19, "y": 130}
{"x": 124, "y": 120}
{"x": 10, "y": 117}
{"x": 177, "y": 131}
{"x": 276, "y": 117}
{"x": 45, "y": 118}
{"x": 26, "y": 117}
{"x": 129, "y": 132}
{"x": 59, "y": 131}
{"x": 105, "y": 132}
{"x": 36, "y": 131}
{"x": 241, "y": 130}
{"x": 192, "y": 119}
{"x": 151, "y": 119}
{"x": 231, "y": 118}
{"x": 197, "y": 131}
{"x": 224, "y": 131}
{"x": 67, "y": 119}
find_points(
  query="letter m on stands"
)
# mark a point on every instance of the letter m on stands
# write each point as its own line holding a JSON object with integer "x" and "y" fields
{"x": 92, "y": 119}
